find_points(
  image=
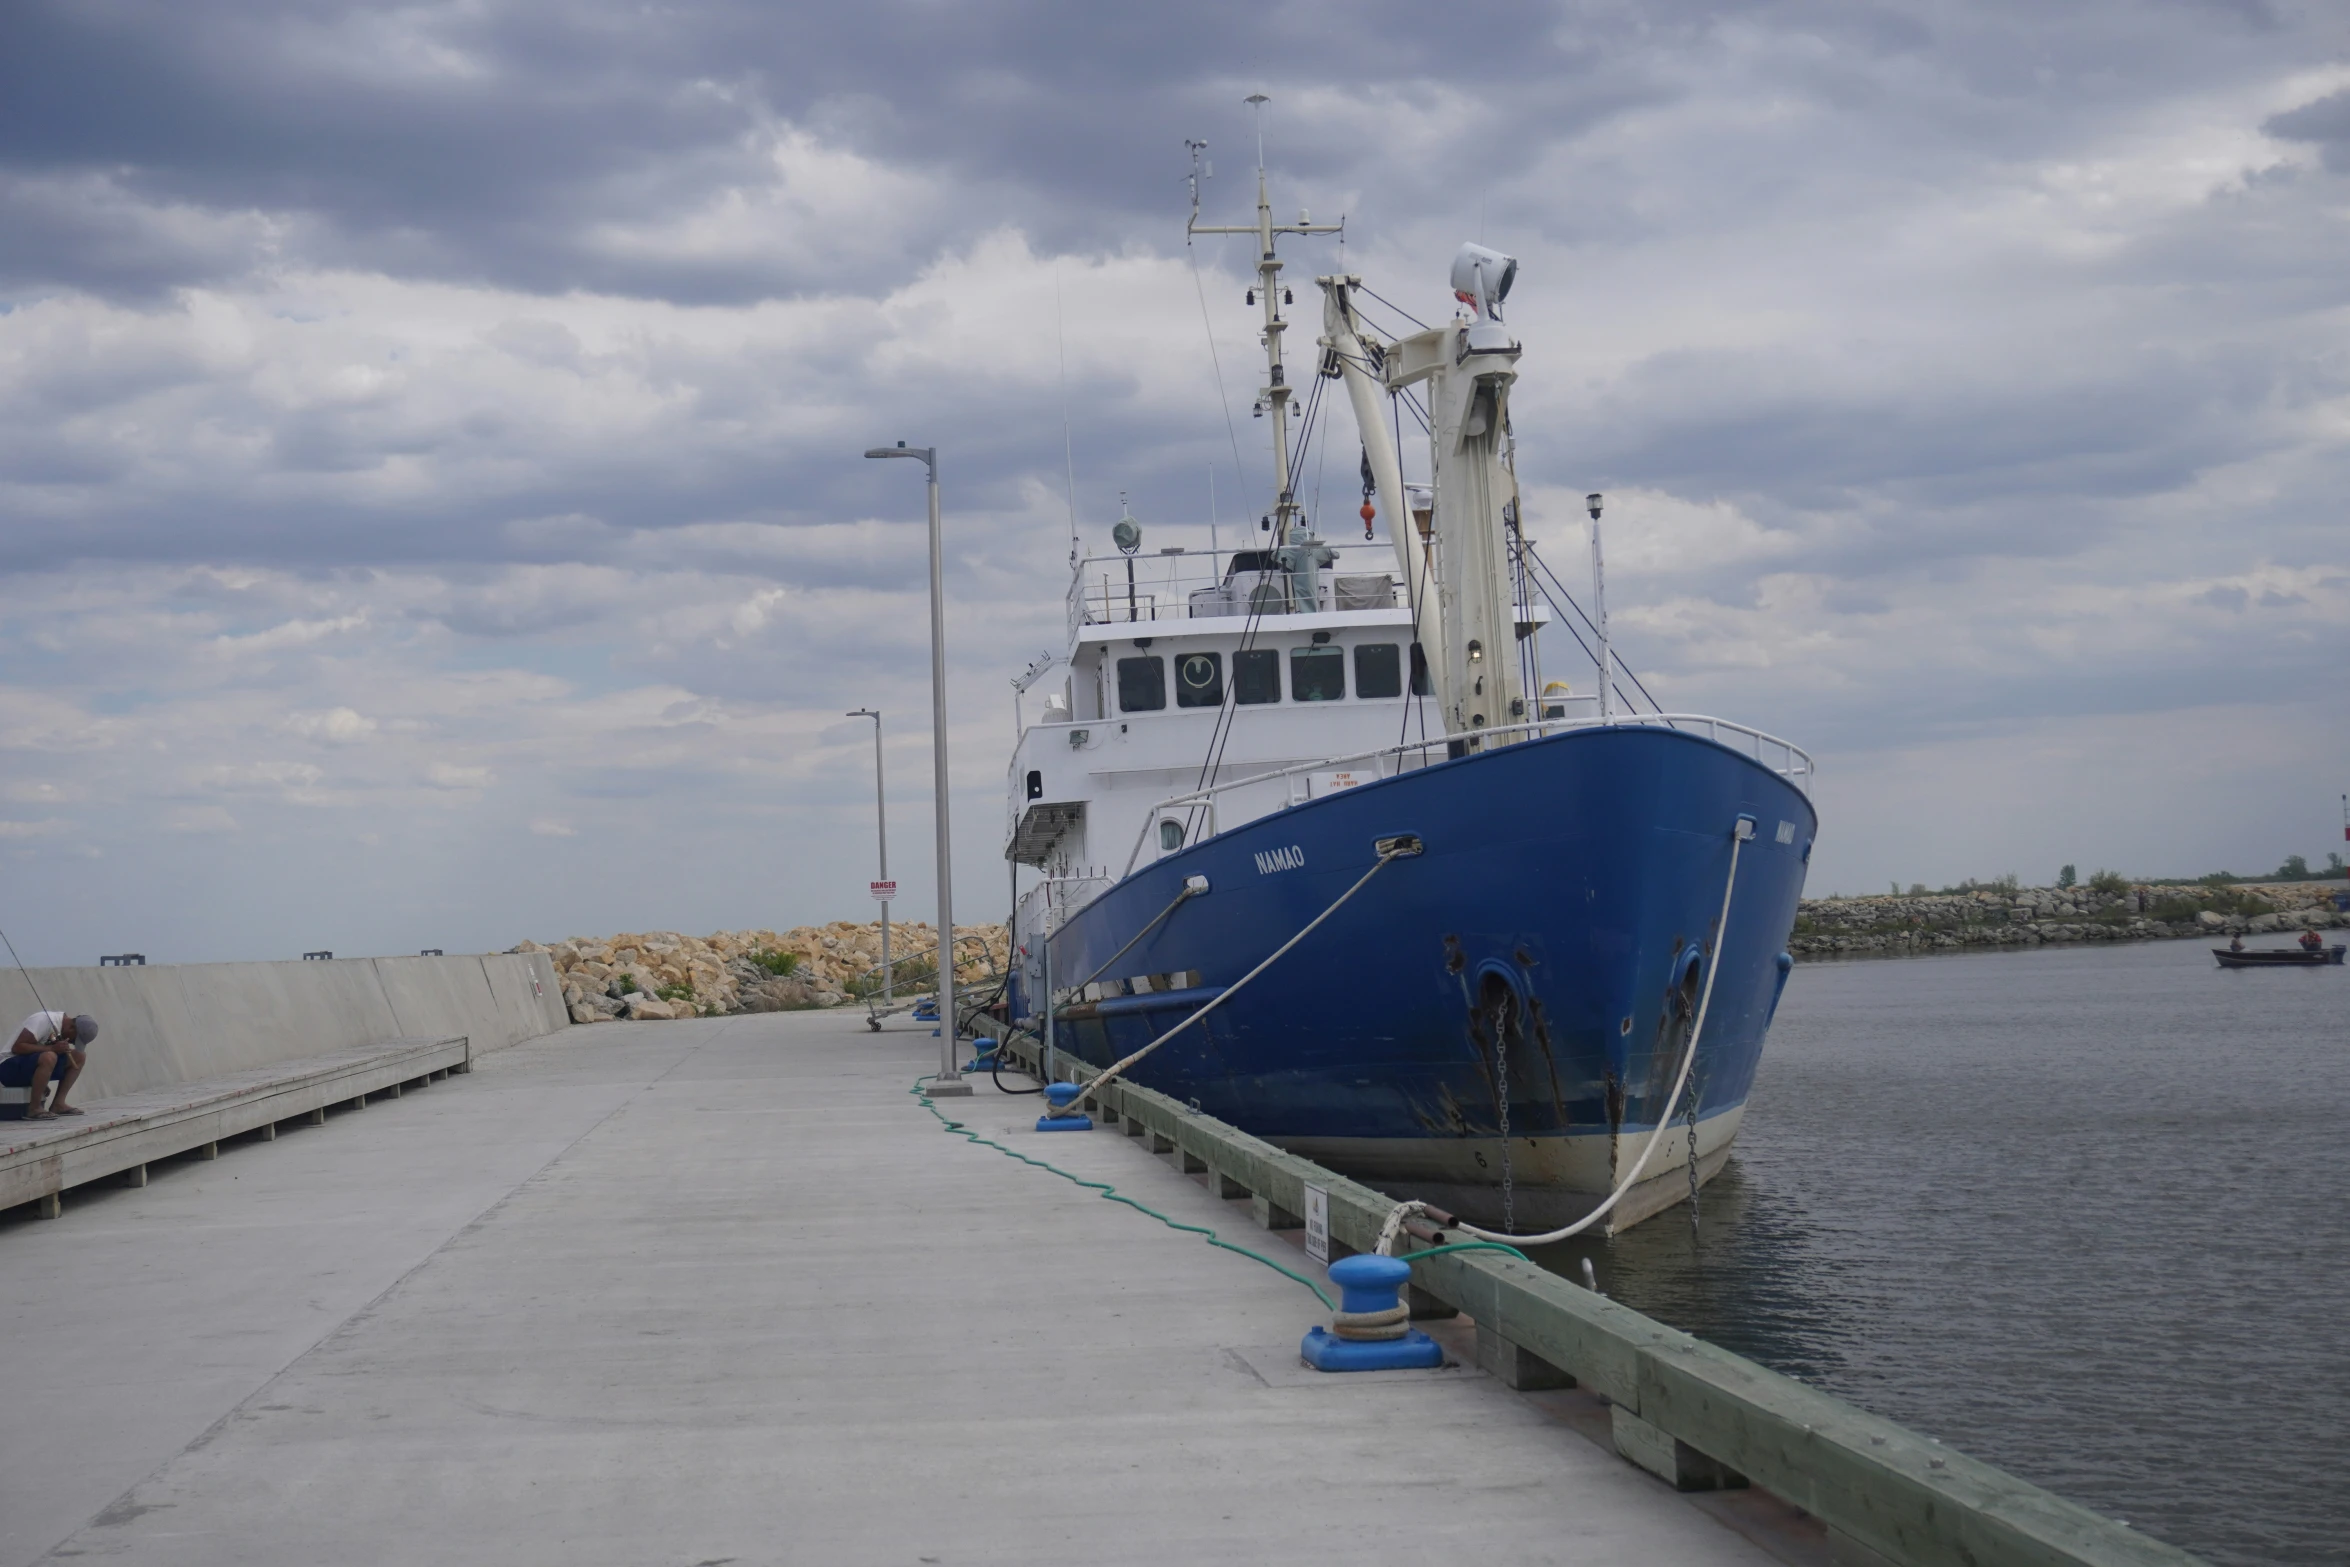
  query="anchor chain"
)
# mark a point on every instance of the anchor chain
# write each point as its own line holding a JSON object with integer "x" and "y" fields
{"x": 1741, "y": 832}
{"x": 1501, "y": 1094}
{"x": 1694, "y": 1084}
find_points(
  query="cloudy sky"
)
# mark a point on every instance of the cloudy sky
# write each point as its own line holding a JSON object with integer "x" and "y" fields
{"x": 429, "y": 435}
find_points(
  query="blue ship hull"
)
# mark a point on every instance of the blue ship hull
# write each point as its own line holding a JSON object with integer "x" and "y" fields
{"x": 1552, "y": 936}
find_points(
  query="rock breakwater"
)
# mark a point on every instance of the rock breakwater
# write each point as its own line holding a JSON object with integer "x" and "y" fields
{"x": 1896, "y": 925}
{"x": 666, "y": 974}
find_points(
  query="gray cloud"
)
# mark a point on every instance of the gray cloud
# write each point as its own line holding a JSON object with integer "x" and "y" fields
{"x": 428, "y": 438}
{"x": 2324, "y": 122}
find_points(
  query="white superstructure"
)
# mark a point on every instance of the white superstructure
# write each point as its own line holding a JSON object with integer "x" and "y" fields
{"x": 1184, "y": 670}
{"x": 1209, "y": 668}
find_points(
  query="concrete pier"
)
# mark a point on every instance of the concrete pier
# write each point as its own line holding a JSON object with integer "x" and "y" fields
{"x": 689, "y": 1292}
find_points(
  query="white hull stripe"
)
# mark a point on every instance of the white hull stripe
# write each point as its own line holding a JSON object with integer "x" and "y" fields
{"x": 1133, "y": 985}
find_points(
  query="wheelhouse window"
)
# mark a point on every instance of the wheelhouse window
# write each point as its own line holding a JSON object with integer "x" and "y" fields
{"x": 1199, "y": 680}
{"x": 1421, "y": 686}
{"x": 1142, "y": 684}
{"x": 1317, "y": 674}
{"x": 1256, "y": 676}
{"x": 1170, "y": 835}
{"x": 1378, "y": 669}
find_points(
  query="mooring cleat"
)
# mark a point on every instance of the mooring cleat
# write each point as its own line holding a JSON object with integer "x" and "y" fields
{"x": 1370, "y": 1290}
{"x": 1061, "y": 1095}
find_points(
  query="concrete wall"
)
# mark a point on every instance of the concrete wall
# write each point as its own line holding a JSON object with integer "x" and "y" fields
{"x": 181, "y": 1023}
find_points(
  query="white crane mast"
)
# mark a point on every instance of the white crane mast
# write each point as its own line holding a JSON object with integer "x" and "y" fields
{"x": 1470, "y": 366}
{"x": 1344, "y": 335}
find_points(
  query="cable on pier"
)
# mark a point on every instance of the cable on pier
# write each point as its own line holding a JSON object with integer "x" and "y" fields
{"x": 1111, "y": 1193}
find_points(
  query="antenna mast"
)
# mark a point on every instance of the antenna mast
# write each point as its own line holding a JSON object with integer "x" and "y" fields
{"x": 1068, "y": 444}
{"x": 1275, "y": 394}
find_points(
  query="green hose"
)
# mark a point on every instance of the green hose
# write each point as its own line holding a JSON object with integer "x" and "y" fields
{"x": 1438, "y": 1251}
{"x": 1112, "y": 1194}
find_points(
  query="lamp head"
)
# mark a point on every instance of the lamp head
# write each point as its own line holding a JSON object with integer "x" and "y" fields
{"x": 1481, "y": 280}
{"x": 1591, "y": 503}
{"x": 1127, "y": 535}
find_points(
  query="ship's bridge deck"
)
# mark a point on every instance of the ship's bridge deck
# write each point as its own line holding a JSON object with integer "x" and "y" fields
{"x": 1188, "y": 667}
{"x": 1180, "y": 584}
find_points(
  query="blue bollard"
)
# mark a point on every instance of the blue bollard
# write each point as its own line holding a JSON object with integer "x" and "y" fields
{"x": 1368, "y": 1285}
{"x": 1061, "y": 1094}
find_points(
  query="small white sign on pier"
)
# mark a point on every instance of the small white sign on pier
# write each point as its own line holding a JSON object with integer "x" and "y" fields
{"x": 1318, "y": 1225}
{"x": 884, "y": 891}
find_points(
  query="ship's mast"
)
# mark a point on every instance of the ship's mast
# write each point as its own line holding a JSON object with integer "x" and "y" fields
{"x": 1274, "y": 397}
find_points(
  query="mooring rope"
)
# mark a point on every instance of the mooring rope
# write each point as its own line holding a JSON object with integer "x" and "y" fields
{"x": 1396, "y": 851}
{"x": 1193, "y": 886}
{"x": 1404, "y": 1210}
{"x": 1372, "y": 1326}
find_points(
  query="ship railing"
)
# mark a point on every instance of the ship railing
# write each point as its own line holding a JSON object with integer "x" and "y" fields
{"x": 1198, "y": 808}
{"x": 1045, "y": 909}
{"x": 1048, "y": 904}
{"x": 1193, "y": 585}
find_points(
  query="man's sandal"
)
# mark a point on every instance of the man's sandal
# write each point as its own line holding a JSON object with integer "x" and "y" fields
{"x": 70, "y": 1110}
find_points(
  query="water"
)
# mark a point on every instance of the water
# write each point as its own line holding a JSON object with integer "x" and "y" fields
{"x": 2080, "y": 1213}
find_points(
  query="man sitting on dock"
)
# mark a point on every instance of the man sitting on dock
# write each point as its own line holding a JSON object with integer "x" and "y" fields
{"x": 50, "y": 1045}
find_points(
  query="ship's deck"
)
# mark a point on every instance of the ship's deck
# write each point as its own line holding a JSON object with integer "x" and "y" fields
{"x": 721, "y": 1290}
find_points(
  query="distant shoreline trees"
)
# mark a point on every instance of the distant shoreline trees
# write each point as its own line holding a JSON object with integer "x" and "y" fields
{"x": 2295, "y": 868}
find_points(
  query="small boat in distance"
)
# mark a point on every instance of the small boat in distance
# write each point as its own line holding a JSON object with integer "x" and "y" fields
{"x": 2279, "y": 957}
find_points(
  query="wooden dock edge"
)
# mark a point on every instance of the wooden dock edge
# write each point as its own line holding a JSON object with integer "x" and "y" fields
{"x": 1876, "y": 1484}
{"x": 40, "y": 1161}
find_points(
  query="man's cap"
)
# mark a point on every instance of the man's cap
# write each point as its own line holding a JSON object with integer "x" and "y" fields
{"x": 85, "y": 1029}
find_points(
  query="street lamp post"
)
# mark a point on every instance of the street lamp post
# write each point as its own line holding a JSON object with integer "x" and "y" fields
{"x": 881, "y": 825}
{"x": 949, "y": 1080}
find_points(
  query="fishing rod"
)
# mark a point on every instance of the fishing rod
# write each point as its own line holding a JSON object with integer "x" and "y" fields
{"x": 38, "y": 1003}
